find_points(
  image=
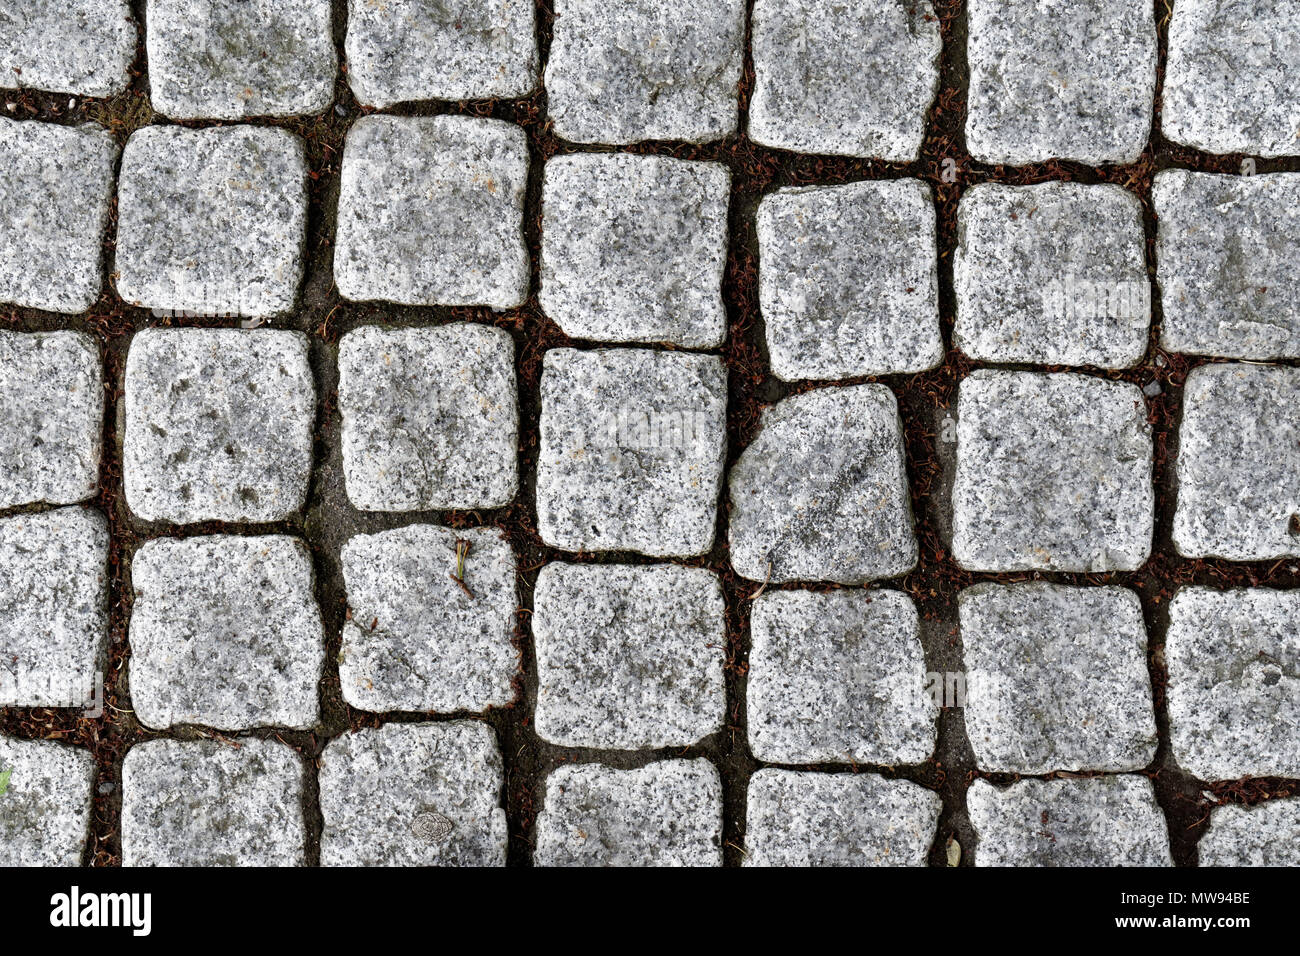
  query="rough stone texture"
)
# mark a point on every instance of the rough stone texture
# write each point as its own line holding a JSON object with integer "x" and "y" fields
{"x": 208, "y": 803}
{"x": 390, "y": 794}
{"x": 1056, "y": 678}
{"x": 431, "y": 212}
{"x": 218, "y": 424}
{"x": 623, "y": 71}
{"x": 1263, "y": 835}
{"x": 1239, "y": 464}
{"x": 403, "y": 50}
{"x": 665, "y": 814}
{"x": 821, "y": 493}
{"x": 634, "y": 247}
{"x": 1066, "y": 79}
{"x": 1226, "y": 251}
{"x": 212, "y": 221}
{"x": 45, "y": 810}
{"x": 225, "y": 632}
{"x": 632, "y": 451}
{"x": 822, "y": 819}
{"x": 1098, "y": 821}
{"x": 1053, "y": 473}
{"x": 1053, "y": 274}
{"x": 1230, "y": 81}
{"x": 53, "y": 607}
{"x": 629, "y": 657}
{"x": 66, "y": 46}
{"x": 51, "y": 417}
{"x": 1234, "y": 682}
{"x": 415, "y": 640}
{"x": 430, "y": 417}
{"x": 849, "y": 79}
{"x": 838, "y": 677}
{"x": 848, "y": 280}
{"x": 56, "y": 183}
{"x": 228, "y": 59}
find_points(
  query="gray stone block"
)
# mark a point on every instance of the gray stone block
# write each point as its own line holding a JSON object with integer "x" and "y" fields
{"x": 218, "y": 424}
{"x": 1226, "y": 251}
{"x": 53, "y": 607}
{"x": 431, "y": 212}
{"x": 212, "y": 803}
{"x": 1239, "y": 464}
{"x": 848, "y": 280}
{"x": 430, "y": 417}
{"x": 212, "y": 221}
{"x": 628, "y": 657}
{"x": 1053, "y": 274}
{"x": 45, "y": 807}
{"x": 1053, "y": 473}
{"x": 1056, "y": 678}
{"x": 632, "y": 451}
{"x": 56, "y": 184}
{"x": 413, "y": 795}
{"x": 623, "y": 71}
{"x": 845, "y": 79}
{"x": 1267, "y": 834}
{"x": 1234, "y": 692}
{"x": 51, "y": 417}
{"x": 404, "y": 50}
{"x": 666, "y": 814}
{"x": 225, "y": 632}
{"x": 67, "y": 46}
{"x": 634, "y": 248}
{"x": 1097, "y": 821}
{"x": 1060, "y": 79}
{"x": 838, "y": 677}
{"x": 821, "y": 493}
{"x": 415, "y": 639}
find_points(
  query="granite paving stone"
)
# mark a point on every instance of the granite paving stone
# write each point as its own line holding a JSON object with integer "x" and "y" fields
{"x": 83, "y": 47}
{"x": 45, "y": 810}
{"x": 1267, "y": 834}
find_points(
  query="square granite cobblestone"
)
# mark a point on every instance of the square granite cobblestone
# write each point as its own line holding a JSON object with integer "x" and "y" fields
{"x": 67, "y": 46}
{"x": 45, "y": 807}
{"x": 1267, "y": 834}
{"x": 629, "y": 658}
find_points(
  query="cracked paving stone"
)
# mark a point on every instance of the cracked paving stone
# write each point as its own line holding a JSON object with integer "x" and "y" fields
{"x": 228, "y": 59}
{"x": 218, "y": 424}
{"x": 1229, "y": 86}
{"x": 430, "y": 417}
{"x": 1056, "y": 678}
{"x": 213, "y": 803}
{"x": 56, "y": 186}
{"x": 431, "y": 212}
{"x": 67, "y": 46}
{"x": 413, "y": 795}
{"x": 823, "y": 819}
{"x": 665, "y": 814}
{"x": 212, "y": 221}
{"x": 1053, "y": 473}
{"x": 838, "y": 677}
{"x": 1060, "y": 79}
{"x": 629, "y": 658}
{"x": 634, "y": 248}
{"x": 51, "y": 417}
{"x": 821, "y": 493}
{"x": 1226, "y": 249}
{"x": 848, "y": 280}
{"x": 1234, "y": 682}
{"x": 624, "y": 71}
{"x": 1267, "y": 834}
{"x": 225, "y": 632}
{"x": 53, "y": 607}
{"x": 45, "y": 809}
{"x": 1096, "y": 821}
{"x": 1239, "y": 464}
{"x": 844, "y": 79}
{"x": 415, "y": 639}
{"x": 1052, "y": 274}
{"x": 632, "y": 449}
{"x": 403, "y": 50}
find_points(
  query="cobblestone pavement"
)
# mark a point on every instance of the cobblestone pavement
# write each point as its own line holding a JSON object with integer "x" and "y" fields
{"x": 621, "y": 432}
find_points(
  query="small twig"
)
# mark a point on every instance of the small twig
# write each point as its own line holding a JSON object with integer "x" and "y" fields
{"x": 462, "y": 549}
